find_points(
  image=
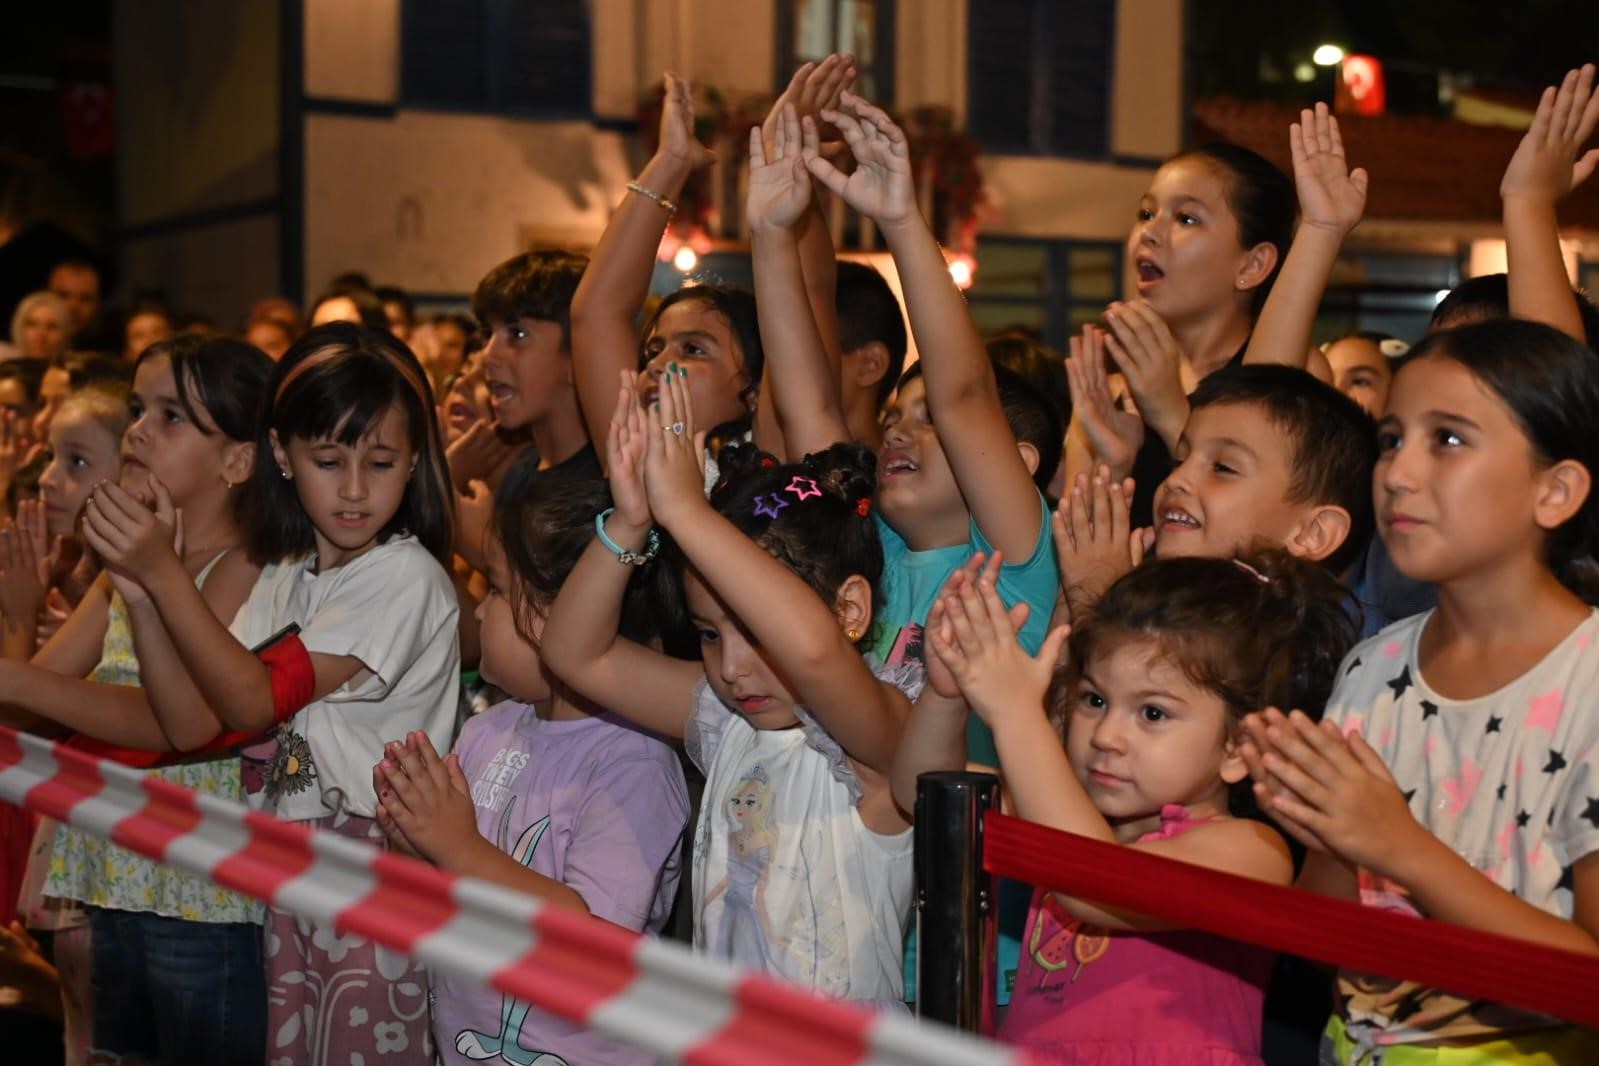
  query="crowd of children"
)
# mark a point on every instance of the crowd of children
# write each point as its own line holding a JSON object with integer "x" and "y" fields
{"x": 661, "y": 622}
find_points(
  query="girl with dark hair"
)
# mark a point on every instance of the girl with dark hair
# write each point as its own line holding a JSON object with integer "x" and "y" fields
{"x": 1455, "y": 772}
{"x": 707, "y": 331}
{"x": 175, "y": 964}
{"x": 801, "y": 859}
{"x": 1152, "y": 702}
{"x": 355, "y": 516}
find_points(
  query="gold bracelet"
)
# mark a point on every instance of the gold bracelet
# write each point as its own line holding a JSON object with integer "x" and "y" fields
{"x": 670, "y": 205}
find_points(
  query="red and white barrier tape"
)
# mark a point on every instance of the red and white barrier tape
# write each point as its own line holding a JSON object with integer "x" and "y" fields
{"x": 1467, "y": 962}
{"x": 653, "y": 994}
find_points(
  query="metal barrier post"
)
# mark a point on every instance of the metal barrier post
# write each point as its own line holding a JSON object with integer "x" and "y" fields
{"x": 956, "y": 903}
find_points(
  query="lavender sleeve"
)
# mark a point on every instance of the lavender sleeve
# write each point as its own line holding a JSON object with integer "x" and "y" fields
{"x": 623, "y": 858}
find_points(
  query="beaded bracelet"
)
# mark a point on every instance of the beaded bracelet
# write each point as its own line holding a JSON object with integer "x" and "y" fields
{"x": 652, "y": 544}
{"x": 650, "y": 194}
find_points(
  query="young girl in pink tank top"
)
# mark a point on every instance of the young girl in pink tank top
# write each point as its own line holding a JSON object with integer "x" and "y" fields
{"x": 1150, "y": 703}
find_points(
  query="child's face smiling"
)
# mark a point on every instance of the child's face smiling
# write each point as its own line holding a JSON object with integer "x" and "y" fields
{"x": 738, "y": 672}
{"x": 1457, "y": 485}
{"x": 350, "y": 491}
{"x": 1142, "y": 735}
{"x": 1230, "y": 486}
{"x": 916, "y": 489}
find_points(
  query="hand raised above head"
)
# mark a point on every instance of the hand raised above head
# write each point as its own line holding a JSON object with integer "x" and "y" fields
{"x": 1549, "y": 161}
{"x": 678, "y": 141}
{"x": 882, "y": 186}
{"x": 1331, "y": 196}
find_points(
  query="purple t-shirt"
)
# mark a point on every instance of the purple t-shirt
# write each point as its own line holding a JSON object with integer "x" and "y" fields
{"x": 595, "y": 804}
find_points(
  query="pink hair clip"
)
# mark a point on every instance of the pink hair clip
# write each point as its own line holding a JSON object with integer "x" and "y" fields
{"x": 803, "y": 487}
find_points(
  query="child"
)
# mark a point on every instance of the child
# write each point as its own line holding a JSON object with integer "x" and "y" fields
{"x": 1464, "y": 788}
{"x": 709, "y": 331}
{"x": 1160, "y": 677}
{"x": 355, "y": 516}
{"x": 176, "y": 961}
{"x": 1362, "y": 364}
{"x": 573, "y": 805}
{"x": 801, "y": 860}
{"x": 871, "y": 329}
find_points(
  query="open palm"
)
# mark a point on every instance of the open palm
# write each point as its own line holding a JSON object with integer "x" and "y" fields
{"x": 882, "y": 186}
{"x": 780, "y": 186}
{"x": 1331, "y": 196}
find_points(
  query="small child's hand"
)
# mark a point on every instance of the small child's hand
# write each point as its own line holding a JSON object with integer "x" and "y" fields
{"x": 1149, "y": 358}
{"x": 476, "y": 453}
{"x": 1268, "y": 787}
{"x": 397, "y": 839}
{"x": 626, "y": 446}
{"x": 1114, "y": 434}
{"x": 1546, "y": 165}
{"x": 813, "y": 87}
{"x": 1331, "y": 196}
{"x": 428, "y": 800}
{"x": 133, "y": 540}
{"x": 674, "y": 468}
{"x": 1339, "y": 789}
{"x": 21, "y": 591}
{"x": 678, "y": 142}
{"x": 999, "y": 679}
{"x": 1095, "y": 543}
{"x": 938, "y": 676}
{"x": 779, "y": 185}
{"x": 882, "y": 186}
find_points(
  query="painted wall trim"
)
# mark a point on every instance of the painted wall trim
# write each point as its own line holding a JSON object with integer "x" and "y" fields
{"x": 185, "y": 221}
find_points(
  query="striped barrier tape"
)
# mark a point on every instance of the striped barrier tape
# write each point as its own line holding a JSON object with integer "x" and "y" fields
{"x": 652, "y": 994}
{"x": 1468, "y": 962}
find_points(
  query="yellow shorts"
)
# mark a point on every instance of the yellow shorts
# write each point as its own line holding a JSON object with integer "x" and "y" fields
{"x": 1571, "y": 1046}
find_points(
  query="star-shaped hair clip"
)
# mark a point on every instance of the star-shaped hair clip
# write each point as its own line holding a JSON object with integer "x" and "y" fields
{"x": 771, "y": 505}
{"x": 803, "y": 487}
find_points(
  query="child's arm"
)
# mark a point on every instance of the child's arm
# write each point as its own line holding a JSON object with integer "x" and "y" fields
{"x": 961, "y": 391}
{"x": 935, "y": 733}
{"x": 802, "y": 385}
{"x": 1332, "y": 199}
{"x": 1006, "y": 688}
{"x": 1545, "y": 168}
{"x": 617, "y": 280}
{"x": 790, "y": 622}
{"x": 429, "y": 801}
{"x": 581, "y": 644}
{"x": 1340, "y": 790}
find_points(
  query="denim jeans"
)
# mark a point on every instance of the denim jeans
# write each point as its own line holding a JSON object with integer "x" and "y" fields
{"x": 173, "y": 991}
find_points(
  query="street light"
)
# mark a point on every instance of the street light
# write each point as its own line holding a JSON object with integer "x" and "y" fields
{"x": 1327, "y": 55}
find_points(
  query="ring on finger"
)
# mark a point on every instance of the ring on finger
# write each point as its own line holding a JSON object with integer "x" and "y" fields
{"x": 676, "y": 428}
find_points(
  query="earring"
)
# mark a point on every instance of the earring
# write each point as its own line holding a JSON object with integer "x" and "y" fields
{"x": 853, "y": 635}
{"x": 286, "y": 475}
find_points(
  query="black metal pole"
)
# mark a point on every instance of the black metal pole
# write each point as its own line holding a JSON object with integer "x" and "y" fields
{"x": 956, "y": 904}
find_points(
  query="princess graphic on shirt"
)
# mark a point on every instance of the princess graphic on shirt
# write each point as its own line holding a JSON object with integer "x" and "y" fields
{"x": 745, "y": 932}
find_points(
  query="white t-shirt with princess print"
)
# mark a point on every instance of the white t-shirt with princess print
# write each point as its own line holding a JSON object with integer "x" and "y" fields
{"x": 1510, "y": 781}
{"x": 394, "y": 609}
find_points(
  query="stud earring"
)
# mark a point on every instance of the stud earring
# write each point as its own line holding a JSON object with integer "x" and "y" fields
{"x": 285, "y": 474}
{"x": 853, "y": 635}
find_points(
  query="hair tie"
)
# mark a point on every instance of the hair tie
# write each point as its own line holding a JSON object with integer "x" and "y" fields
{"x": 1252, "y": 572}
{"x": 863, "y": 506}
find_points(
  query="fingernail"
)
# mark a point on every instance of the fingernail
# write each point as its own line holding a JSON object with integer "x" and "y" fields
{"x": 682, "y": 371}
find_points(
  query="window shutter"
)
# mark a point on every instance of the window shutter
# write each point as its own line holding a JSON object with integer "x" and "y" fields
{"x": 1000, "y": 42}
{"x": 441, "y": 53}
{"x": 1080, "y": 61}
{"x": 546, "y": 68}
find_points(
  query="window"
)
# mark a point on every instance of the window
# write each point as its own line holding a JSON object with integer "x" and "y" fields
{"x": 1040, "y": 75}
{"x": 529, "y": 57}
{"x": 815, "y": 29}
{"x": 1050, "y": 287}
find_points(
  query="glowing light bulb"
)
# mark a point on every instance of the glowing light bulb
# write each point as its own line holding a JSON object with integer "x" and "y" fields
{"x": 686, "y": 259}
{"x": 1327, "y": 55}
{"x": 962, "y": 269}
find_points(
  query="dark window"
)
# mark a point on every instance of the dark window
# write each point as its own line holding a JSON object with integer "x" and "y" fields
{"x": 1049, "y": 287}
{"x": 526, "y": 57}
{"x": 1040, "y": 75}
{"x": 815, "y": 29}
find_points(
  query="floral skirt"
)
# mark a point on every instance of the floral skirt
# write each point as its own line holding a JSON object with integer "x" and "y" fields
{"x": 339, "y": 1000}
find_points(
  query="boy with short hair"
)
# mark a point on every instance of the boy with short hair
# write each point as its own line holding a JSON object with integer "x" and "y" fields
{"x": 871, "y": 332}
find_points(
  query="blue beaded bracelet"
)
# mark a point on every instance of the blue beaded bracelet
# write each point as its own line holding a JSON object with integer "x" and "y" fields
{"x": 651, "y": 545}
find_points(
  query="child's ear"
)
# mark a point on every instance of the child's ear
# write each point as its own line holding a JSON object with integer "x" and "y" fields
{"x": 1322, "y": 532}
{"x": 1257, "y": 266}
{"x": 868, "y": 364}
{"x": 1233, "y": 768}
{"x": 852, "y": 606}
{"x": 279, "y": 453}
{"x": 1562, "y": 490}
{"x": 238, "y": 462}
{"x": 1029, "y": 455}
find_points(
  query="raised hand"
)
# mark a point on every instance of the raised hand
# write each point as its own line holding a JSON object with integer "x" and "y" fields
{"x": 882, "y": 186}
{"x": 15, "y": 452}
{"x": 34, "y": 526}
{"x": 626, "y": 447}
{"x": 938, "y": 675}
{"x": 1149, "y": 358}
{"x": 813, "y": 87}
{"x": 1114, "y": 434}
{"x": 678, "y": 142}
{"x": 674, "y": 463}
{"x": 1546, "y": 165}
{"x": 1095, "y": 543}
{"x": 133, "y": 539}
{"x": 779, "y": 186}
{"x": 22, "y": 591}
{"x": 1000, "y": 681}
{"x": 1331, "y": 196}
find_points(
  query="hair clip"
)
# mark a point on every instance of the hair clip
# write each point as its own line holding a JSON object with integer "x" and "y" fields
{"x": 772, "y": 505}
{"x": 863, "y": 506}
{"x": 1393, "y": 347}
{"x": 798, "y": 487}
{"x": 1252, "y": 572}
